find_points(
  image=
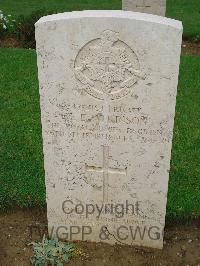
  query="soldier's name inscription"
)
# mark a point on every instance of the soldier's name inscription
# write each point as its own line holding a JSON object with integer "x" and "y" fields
{"x": 123, "y": 123}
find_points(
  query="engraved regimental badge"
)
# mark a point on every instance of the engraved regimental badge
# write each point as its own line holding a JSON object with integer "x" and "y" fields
{"x": 106, "y": 67}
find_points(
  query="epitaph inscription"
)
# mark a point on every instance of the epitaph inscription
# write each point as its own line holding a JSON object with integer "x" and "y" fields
{"x": 108, "y": 83}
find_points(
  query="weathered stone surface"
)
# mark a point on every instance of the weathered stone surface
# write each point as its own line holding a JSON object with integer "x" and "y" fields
{"x": 108, "y": 82}
{"x": 156, "y": 7}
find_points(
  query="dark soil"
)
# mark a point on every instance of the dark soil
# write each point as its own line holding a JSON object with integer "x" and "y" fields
{"x": 181, "y": 244}
{"x": 188, "y": 47}
{"x": 192, "y": 48}
{"x": 9, "y": 42}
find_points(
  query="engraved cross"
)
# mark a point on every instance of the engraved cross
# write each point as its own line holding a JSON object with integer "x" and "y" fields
{"x": 106, "y": 170}
{"x": 107, "y": 64}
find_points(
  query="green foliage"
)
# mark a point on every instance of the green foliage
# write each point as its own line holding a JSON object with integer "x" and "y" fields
{"x": 25, "y": 28}
{"x": 7, "y": 24}
{"x": 51, "y": 252}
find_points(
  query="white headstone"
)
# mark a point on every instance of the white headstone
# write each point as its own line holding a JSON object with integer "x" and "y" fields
{"x": 108, "y": 82}
{"x": 156, "y": 7}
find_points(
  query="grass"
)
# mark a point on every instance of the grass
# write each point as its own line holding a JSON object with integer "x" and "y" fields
{"x": 187, "y": 11}
{"x": 184, "y": 185}
{"x": 21, "y": 159}
{"x": 25, "y": 7}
